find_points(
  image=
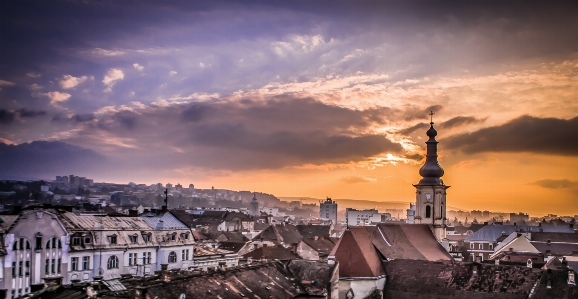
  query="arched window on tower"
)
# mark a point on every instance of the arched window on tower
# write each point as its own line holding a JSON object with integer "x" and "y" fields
{"x": 427, "y": 212}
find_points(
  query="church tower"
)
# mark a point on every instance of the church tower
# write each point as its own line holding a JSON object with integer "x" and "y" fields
{"x": 254, "y": 206}
{"x": 430, "y": 193}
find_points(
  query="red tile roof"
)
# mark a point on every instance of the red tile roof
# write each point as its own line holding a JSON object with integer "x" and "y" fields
{"x": 356, "y": 254}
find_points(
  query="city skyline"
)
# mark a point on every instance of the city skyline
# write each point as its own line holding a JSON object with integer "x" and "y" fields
{"x": 297, "y": 99}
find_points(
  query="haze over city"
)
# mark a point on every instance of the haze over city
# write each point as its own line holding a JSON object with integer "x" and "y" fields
{"x": 297, "y": 99}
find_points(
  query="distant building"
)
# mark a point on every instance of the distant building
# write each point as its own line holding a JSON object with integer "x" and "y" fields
{"x": 359, "y": 217}
{"x": 191, "y": 187}
{"x": 519, "y": 218}
{"x": 410, "y": 216}
{"x": 328, "y": 210}
{"x": 254, "y": 206}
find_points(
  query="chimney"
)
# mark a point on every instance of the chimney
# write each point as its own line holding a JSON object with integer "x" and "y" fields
{"x": 33, "y": 288}
{"x": 222, "y": 266}
{"x": 52, "y": 281}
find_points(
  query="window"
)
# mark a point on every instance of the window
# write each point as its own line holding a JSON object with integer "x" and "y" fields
{"x": 172, "y": 257}
{"x": 481, "y": 246}
{"x": 13, "y": 269}
{"x": 112, "y": 262}
{"x": 20, "y": 268}
{"x": 147, "y": 237}
{"x": 74, "y": 264}
{"x": 47, "y": 267}
{"x": 85, "y": 262}
{"x": 133, "y": 239}
{"x": 146, "y": 257}
{"x": 53, "y": 242}
{"x": 76, "y": 241}
{"x": 481, "y": 257}
{"x": 427, "y": 212}
{"x": 112, "y": 239}
{"x": 38, "y": 241}
{"x": 59, "y": 243}
{"x": 471, "y": 245}
{"x": 491, "y": 246}
{"x": 185, "y": 255}
{"x": 87, "y": 240}
{"x": 53, "y": 266}
{"x": 132, "y": 259}
{"x": 27, "y": 269}
{"x": 174, "y": 237}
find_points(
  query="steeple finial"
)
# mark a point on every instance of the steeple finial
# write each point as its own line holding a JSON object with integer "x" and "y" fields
{"x": 431, "y": 113}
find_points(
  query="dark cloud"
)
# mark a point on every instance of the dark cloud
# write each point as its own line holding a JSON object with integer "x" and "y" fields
{"x": 245, "y": 134}
{"x": 76, "y": 118}
{"x": 8, "y": 116}
{"x": 355, "y": 180}
{"x": 45, "y": 159}
{"x": 30, "y": 113}
{"x": 410, "y": 130}
{"x": 459, "y": 121}
{"x": 556, "y": 184}
{"x": 422, "y": 114}
{"x": 524, "y": 134}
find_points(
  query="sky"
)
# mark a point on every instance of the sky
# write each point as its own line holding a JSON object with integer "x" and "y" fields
{"x": 297, "y": 98}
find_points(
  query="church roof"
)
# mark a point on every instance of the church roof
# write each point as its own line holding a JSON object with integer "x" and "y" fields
{"x": 408, "y": 241}
{"x": 356, "y": 254}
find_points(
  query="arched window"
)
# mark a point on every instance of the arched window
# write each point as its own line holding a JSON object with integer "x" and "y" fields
{"x": 112, "y": 262}
{"x": 21, "y": 244}
{"x": 172, "y": 257}
{"x": 427, "y": 212}
{"x": 48, "y": 244}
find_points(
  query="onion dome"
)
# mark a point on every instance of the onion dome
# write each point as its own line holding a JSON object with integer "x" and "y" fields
{"x": 431, "y": 171}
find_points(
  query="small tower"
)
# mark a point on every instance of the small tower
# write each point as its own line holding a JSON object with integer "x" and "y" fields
{"x": 254, "y": 206}
{"x": 430, "y": 195}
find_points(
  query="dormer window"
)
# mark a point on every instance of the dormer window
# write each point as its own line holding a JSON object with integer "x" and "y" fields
{"x": 87, "y": 240}
{"x": 112, "y": 239}
{"x": 173, "y": 236}
{"x": 147, "y": 237}
{"x": 75, "y": 241}
{"x": 133, "y": 238}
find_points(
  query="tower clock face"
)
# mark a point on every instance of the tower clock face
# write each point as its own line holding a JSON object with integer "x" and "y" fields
{"x": 428, "y": 196}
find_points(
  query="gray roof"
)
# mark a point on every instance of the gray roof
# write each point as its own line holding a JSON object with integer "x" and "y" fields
{"x": 490, "y": 233}
{"x": 163, "y": 221}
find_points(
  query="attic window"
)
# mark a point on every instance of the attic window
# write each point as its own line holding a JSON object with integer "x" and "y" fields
{"x": 133, "y": 239}
{"x": 147, "y": 237}
{"x": 76, "y": 241}
{"x": 87, "y": 240}
{"x": 112, "y": 239}
{"x": 173, "y": 236}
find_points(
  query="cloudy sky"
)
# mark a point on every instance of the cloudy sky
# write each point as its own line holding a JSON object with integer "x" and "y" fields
{"x": 297, "y": 98}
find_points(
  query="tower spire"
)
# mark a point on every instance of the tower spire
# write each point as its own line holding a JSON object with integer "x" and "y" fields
{"x": 431, "y": 171}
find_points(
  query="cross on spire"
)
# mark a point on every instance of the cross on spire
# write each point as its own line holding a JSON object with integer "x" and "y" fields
{"x": 431, "y": 113}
